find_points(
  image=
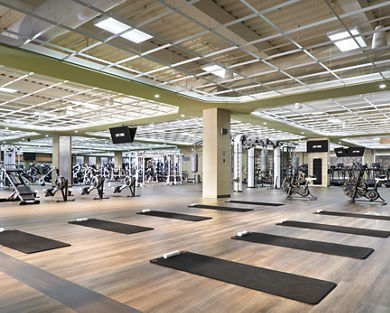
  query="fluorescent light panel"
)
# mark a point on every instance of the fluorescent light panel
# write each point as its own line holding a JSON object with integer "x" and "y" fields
{"x": 113, "y": 26}
{"x": 9, "y": 90}
{"x": 214, "y": 69}
{"x": 344, "y": 41}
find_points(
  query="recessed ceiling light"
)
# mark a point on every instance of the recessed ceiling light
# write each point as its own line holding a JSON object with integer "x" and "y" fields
{"x": 343, "y": 40}
{"x": 114, "y": 26}
{"x": 335, "y": 121}
{"x": 6, "y": 128}
{"x": 382, "y": 86}
{"x": 136, "y": 36}
{"x": 9, "y": 90}
{"x": 302, "y": 133}
{"x": 265, "y": 123}
{"x": 214, "y": 69}
{"x": 182, "y": 115}
{"x": 76, "y": 131}
{"x": 157, "y": 96}
{"x": 111, "y": 25}
{"x": 46, "y": 135}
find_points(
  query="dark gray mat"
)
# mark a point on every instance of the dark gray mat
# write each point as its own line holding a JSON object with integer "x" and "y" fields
{"x": 28, "y": 243}
{"x": 111, "y": 226}
{"x": 178, "y": 216}
{"x": 308, "y": 245}
{"x": 255, "y": 202}
{"x": 338, "y": 229}
{"x": 356, "y": 215}
{"x": 217, "y": 207}
{"x": 299, "y": 288}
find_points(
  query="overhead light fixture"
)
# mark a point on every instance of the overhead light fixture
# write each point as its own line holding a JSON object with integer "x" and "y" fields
{"x": 343, "y": 40}
{"x": 157, "y": 96}
{"x": 214, "y": 69}
{"x": 136, "y": 36}
{"x": 382, "y": 86}
{"x": 9, "y": 90}
{"x": 111, "y": 25}
{"x": 335, "y": 121}
{"x": 115, "y": 27}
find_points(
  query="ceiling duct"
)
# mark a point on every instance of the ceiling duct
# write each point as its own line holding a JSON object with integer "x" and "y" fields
{"x": 379, "y": 38}
{"x": 68, "y": 13}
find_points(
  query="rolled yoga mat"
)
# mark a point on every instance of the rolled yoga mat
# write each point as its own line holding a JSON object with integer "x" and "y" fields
{"x": 28, "y": 243}
{"x": 110, "y": 226}
{"x": 308, "y": 245}
{"x": 338, "y": 229}
{"x": 296, "y": 287}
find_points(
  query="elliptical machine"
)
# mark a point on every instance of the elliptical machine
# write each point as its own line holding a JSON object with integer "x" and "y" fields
{"x": 355, "y": 186}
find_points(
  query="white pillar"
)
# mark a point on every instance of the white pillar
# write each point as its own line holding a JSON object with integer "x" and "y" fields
{"x": 277, "y": 172}
{"x": 251, "y": 181}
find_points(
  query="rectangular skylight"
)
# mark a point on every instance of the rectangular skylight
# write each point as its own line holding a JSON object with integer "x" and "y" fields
{"x": 344, "y": 41}
{"x": 113, "y": 26}
{"x": 214, "y": 69}
{"x": 10, "y": 90}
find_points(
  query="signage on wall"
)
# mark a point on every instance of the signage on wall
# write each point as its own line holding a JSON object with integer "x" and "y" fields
{"x": 317, "y": 146}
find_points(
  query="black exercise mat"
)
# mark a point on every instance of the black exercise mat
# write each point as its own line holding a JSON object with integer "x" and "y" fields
{"x": 308, "y": 245}
{"x": 217, "y": 207}
{"x": 28, "y": 243}
{"x": 300, "y": 288}
{"x": 178, "y": 216}
{"x": 111, "y": 226}
{"x": 357, "y": 215}
{"x": 255, "y": 202}
{"x": 338, "y": 229}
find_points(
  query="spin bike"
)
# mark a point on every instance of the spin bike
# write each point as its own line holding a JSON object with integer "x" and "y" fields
{"x": 291, "y": 186}
{"x": 356, "y": 187}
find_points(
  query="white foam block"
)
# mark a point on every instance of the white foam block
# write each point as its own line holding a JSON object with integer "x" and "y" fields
{"x": 81, "y": 219}
{"x": 242, "y": 233}
{"x": 171, "y": 254}
{"x": 145, "y": 210}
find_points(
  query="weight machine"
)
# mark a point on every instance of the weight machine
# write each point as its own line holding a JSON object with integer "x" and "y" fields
{"x": 128, "y": 182}
{"x": 22, "y": 192}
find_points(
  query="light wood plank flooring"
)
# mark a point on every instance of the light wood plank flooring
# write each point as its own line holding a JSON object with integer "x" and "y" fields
{"x": 118, "y": 267}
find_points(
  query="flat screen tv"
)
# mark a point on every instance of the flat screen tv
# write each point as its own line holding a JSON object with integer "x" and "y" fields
{"x": 122, "y": 134}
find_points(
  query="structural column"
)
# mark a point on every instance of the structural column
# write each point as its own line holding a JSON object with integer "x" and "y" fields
{"x": 216, "y": 153}
{"x": 118, "y": 159}
{"x": 62, "y": 157}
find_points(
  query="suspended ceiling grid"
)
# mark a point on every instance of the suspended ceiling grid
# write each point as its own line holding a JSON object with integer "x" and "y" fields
{"x": 271, "y": 47}
{"x": 260, "y": 42}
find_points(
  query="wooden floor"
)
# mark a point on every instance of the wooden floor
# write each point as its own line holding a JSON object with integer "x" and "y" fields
{"x": 117, "y": 266}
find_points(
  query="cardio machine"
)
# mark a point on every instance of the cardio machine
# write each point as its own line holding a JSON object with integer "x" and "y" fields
{"x": 355, "y": 186}
{"x": 61, "y": 184}
{"x": 128, "y": 182}
{"x": 291, "y": 186}
{"x": 22, "y": 192}
{"x": 97, "y": 182}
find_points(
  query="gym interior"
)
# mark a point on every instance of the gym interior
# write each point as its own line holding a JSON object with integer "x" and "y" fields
{"x": 194, "y": 156}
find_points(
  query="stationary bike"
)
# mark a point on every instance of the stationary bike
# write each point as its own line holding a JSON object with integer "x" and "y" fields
{"x": 355, "y": 187}
{"x": 291, "y": 186}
